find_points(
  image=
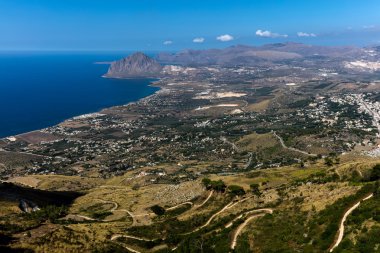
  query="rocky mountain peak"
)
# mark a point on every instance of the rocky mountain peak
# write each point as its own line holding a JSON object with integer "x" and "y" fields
{"x": 135, "y": 65}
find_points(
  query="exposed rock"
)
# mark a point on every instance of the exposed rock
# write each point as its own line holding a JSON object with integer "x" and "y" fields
{"x": 135, "y": 65}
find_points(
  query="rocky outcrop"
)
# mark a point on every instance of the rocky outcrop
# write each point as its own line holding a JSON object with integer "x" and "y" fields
{"x": 135, "y": 65}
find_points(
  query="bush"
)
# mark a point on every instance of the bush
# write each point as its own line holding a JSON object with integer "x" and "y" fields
{"x": 158, "y": 210}
{"x": 51, "y": 213}
{"x": 206, "y": 182}
{"x": 375, "y": 173}
{"x": 255, "y": 189}
{"x": 236, "y": 190}
{"x": 219, "y": 185}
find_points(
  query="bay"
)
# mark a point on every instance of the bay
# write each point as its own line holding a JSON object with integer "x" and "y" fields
{"x": 41, "y": 89}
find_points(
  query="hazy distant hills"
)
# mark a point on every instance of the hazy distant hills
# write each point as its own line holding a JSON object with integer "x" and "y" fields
{"x": 135, "y": 65}
{"x": 251, "y": 55}
{"x": 140, "y": 65}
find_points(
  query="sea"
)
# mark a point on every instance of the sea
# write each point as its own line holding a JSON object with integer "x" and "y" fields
{"x": 42, "y": 89}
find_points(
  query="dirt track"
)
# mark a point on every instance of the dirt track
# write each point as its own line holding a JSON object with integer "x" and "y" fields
{"x": 341, "y": 227}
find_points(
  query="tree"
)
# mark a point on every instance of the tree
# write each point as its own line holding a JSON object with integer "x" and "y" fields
{"x": 375, "y": 173}
{"x": 158, "y": 210}
{"x": 206, "y": 182}
{"x": 328, "y": 161}
{"x": 219, "y": 185}
{"x": 255, "y": 189}
{"x": 236, "y": 190}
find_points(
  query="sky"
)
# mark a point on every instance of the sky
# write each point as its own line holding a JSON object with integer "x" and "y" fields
{"x": 170, "y": 25}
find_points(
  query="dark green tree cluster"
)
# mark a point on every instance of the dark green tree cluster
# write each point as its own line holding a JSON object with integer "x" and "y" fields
{"x": 50, "y": 213}
{"x": 218, "y": 185}
{"x": 375, "y": 173}
{"x": 158, "y": 210}
{"x": 236, "y": 190}
{"x": 255, "y": 189}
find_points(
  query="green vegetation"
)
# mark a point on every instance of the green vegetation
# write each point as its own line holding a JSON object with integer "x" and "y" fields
{"x": 50, "y": 213}
{"x": 158, "y": 210}
{"x": 218, "y": 185}
{"x": 236, "y": 190}
{"x": 375, "y": 173}
{"x": 255, "y": 189}
{"x": 293, "y": 230}
{"x": 101, "y": 215}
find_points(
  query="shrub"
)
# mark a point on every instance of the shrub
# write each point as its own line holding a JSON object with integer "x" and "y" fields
{"x": 236, "y": 190}
{"x": 159, "y": 210}
{"x": 375, "y": 173}
{"x": 255, "y": 189}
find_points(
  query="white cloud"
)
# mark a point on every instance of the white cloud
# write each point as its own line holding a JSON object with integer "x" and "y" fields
{"x": 168, "y": 42}
{"x": 225, "y": 37}
{"x": 303, "y": 34}
{"x": 198, "y": 40}
{"x": 269, "y": 34}
{"x": 369, "y": 26}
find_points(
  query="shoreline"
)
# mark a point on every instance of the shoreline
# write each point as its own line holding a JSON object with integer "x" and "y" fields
{"x": 152, "y": 83}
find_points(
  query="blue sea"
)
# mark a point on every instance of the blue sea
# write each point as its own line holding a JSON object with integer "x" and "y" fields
{"x": 38, "y": 90}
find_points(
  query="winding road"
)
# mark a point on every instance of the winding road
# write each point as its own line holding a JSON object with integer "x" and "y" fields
{"x": 257, "y": 213}
{"x": 204, "y": 202}
{"x": 176, "y": 206}
{"x": 246, "y": 222}
{"x": 228, "y": 206}
{"x": 341, "y": 227}
{"x": 290, "y": 148}
{"x": 114, "y": 237}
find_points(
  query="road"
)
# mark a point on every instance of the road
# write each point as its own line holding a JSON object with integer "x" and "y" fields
{"x": 228, "y": 206}
{"x": 210, "y": 219}
{"x": 341, "y": 227}
{"x": 246, "y": 222}
{"x": 114, "y": 237}
{"x": 249, "y": 161}
{"x": 26, "y": 153}
{"x": 265, "y": 210}
{"x": 374, "y": 113}
{"x": 184, "y": 203}
{"x": 204, "y": 202}
{"x": 290, "y": 148}
{"x": 115, "y": 205}
{"x": 233, "y": 145}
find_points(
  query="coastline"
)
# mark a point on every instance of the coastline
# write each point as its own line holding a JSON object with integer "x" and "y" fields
{"x": 152, "y": 83}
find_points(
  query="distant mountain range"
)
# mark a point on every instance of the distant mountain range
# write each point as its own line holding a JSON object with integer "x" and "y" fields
{"x": 140, "y": 65}
{"x": 251, "y": 55}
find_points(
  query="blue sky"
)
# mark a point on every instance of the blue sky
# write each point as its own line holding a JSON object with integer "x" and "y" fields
{"x": 173, "y": 25}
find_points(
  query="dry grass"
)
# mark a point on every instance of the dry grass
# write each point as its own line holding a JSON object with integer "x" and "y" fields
{"x": 30, "y": 181}
{"x": 259, "y": 107}
{"x": 255, "y": 141}
{"x": 318, "y": 196}
{"x": 8, "y": 207}
{"x": 270, "y": 177}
